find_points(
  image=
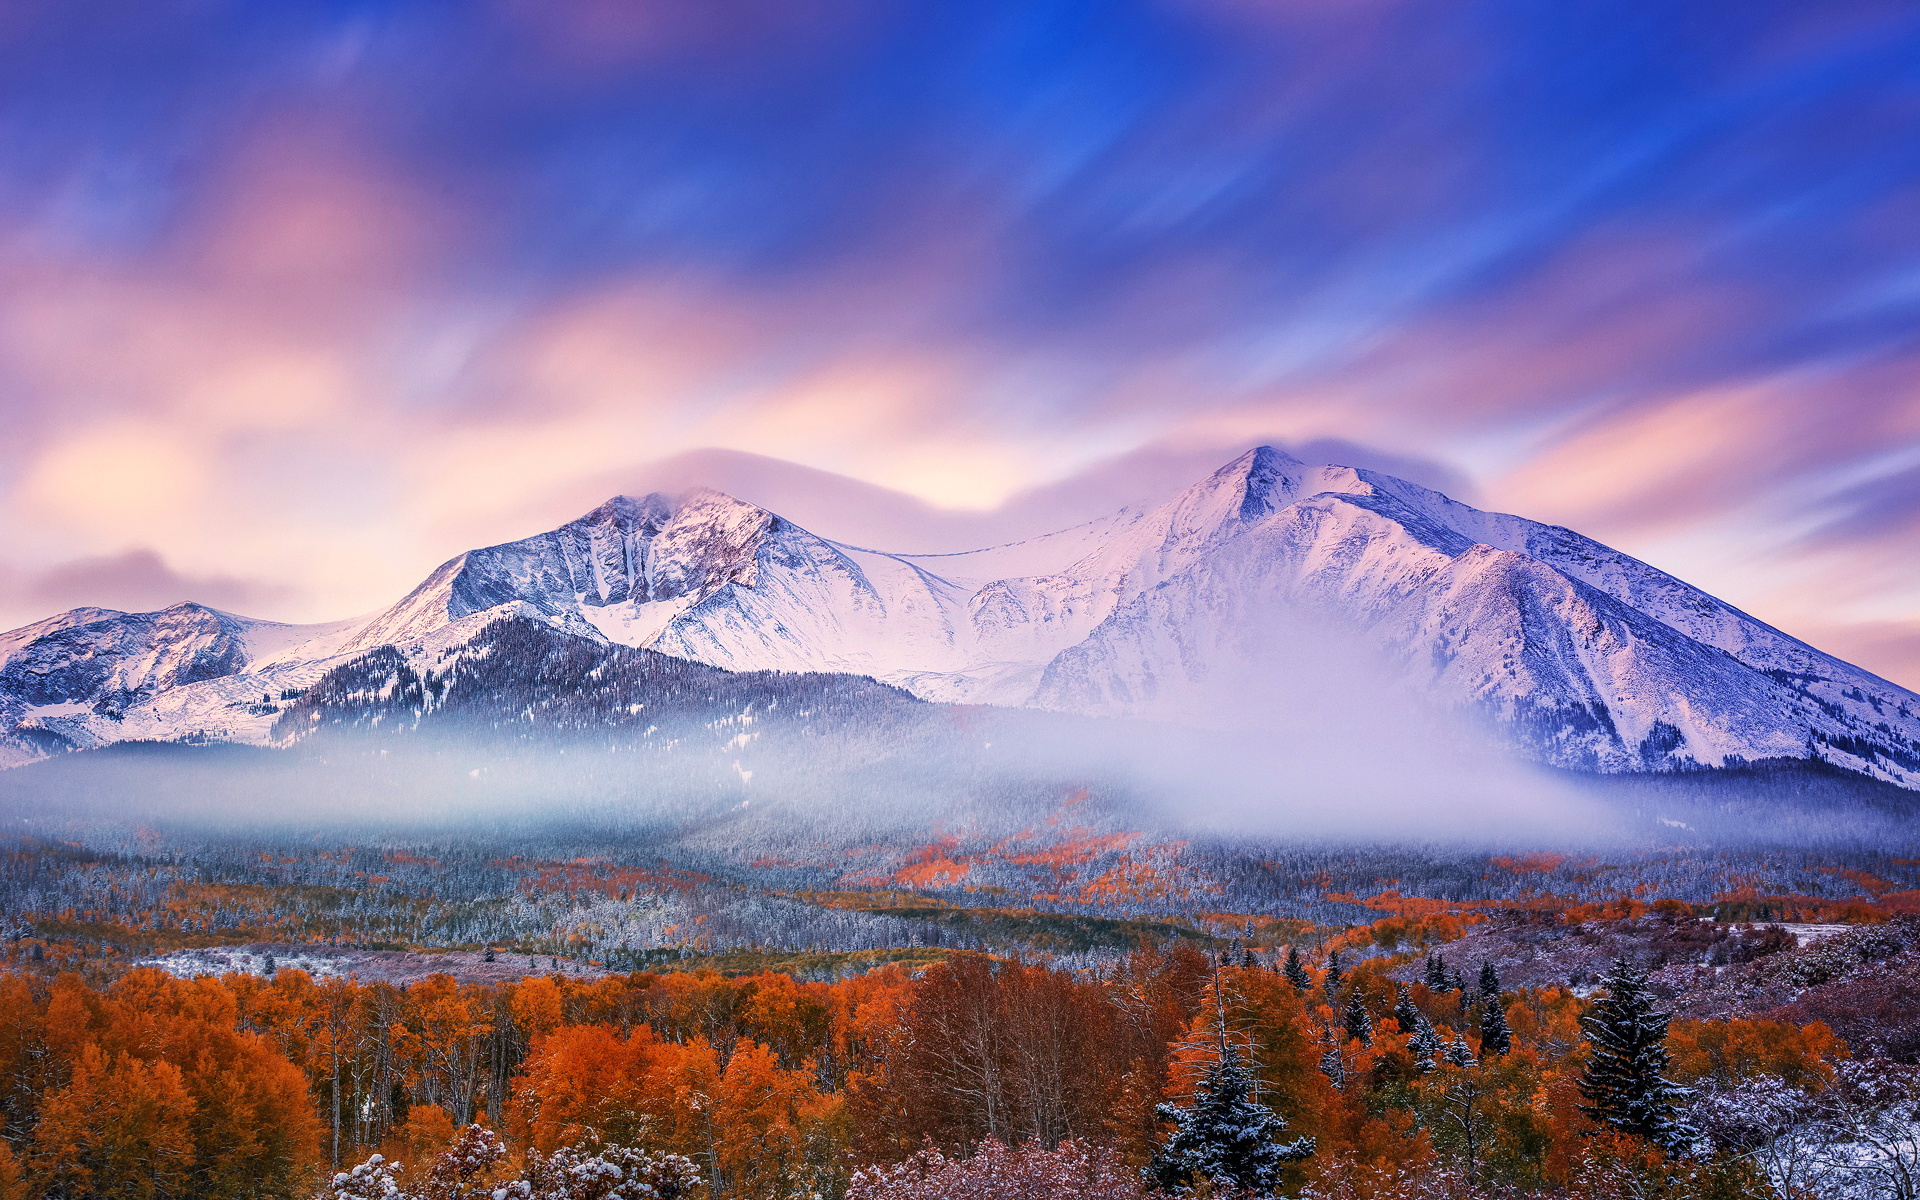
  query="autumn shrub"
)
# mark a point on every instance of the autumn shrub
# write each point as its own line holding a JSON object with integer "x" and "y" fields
{"x": 999, "y": 1172}
{"x": 1877, "y": 1010}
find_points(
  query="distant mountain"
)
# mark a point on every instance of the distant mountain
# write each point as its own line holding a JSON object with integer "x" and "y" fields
{"x": 1578, "y": 655}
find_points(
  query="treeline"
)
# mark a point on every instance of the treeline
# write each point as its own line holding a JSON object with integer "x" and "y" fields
{"x": 773, "y": 1087}
{"x": 523, "y": 678}
{"x": 632, "y": 905}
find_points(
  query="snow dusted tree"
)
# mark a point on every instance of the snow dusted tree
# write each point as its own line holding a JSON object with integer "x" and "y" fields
{"x": 1330, "y": 982}
{"x": 1460, "y": 1054}
{"x": 461, "y": 1172}
{"x": 1356, "y": 1018}
{"x": 1460, "y": 1092}
{"x": 1333, "y": 1065}
{"x": 1404, "y": 1012}
{"x": 1437, "y": 972}
{"x": 596, "y": 1172}
{"x": 1424, "y": 1045}
{"x": 374, "y": 1179}
{"x": 1496, "y": 1039}
{"x": 587, "y": 1172}
{"x": 1625, "y": 1079}
{"x": 1296, "y": 971}
{"x": 1223, "y": 1137}
{"x": 1489, "y": 979}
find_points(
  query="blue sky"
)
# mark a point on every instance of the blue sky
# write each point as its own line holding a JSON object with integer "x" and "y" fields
{"x": 298, "y": 299}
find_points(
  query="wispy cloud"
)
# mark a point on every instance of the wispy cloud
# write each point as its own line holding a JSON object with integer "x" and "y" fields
{"x": 323, "y": 293}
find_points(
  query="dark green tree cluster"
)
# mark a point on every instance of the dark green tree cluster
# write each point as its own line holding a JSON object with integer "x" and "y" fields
{"x": 1625, "y": 1079}
{"x": 1224, "y": 1137}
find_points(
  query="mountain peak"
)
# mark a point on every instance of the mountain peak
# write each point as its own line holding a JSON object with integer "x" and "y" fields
{"x": 1263, "y": 477}
{"x": 663, "y": 506}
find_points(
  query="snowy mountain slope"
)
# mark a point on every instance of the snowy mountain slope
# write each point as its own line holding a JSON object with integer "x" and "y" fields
{"x": 92, "y": 676}
{"x": 719, "y": 581}
{"x": 1542, "y": 633}
{"x": 1577, "y": 654}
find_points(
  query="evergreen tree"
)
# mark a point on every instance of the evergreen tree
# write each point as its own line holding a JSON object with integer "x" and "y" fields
{"x": 1358, "y": 1020}
{"x": 1330, "y": 982}
{"x": 1495, "y": 1038}
{"x": 1436, "y": 972}
{"x": 1296, "y": 971}
{"x": 1625, "y": 1079}
{"x": 1334, "y": 1067}
{"x": 1223, "y": 1137}
{"x": 1489, "y": 980}
{"x": 1460, "y": 1054}
{"x": 1404, "y": 1012}
{"x": 1424, "y": 1044}
{"x": 269, "y": 967}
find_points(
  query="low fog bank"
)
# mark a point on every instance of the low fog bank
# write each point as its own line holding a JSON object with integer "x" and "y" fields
{"x": 1286, "y": 728}
{"x": 978, "y": 773}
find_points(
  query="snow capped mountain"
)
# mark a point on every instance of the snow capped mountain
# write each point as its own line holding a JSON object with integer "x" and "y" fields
{"x": 1579, "y": 655}
{"x": 94, "y": 675}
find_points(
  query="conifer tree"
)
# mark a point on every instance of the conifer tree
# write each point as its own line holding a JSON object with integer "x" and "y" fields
{"x": 1330, "y": 982}
{"x": 1436, "y": 972}
{"x": 1625, "y": 1079}
{"x": 1496, "y": 1039}
{"x": 1296, "y": 971}
{"x": 1358, "y": 1020}
{"x": 1334, "y": 1067}
{"x": 1460, "y": 1054}
{"x": 1223, "y": 1137}
{"x": 1425, "y": 1045}
{"x": 1489, "y": 980}
{"x": 1404, "y": 1012}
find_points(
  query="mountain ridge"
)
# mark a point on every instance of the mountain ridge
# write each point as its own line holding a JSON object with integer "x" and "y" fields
{"x": 1582, "y": 656}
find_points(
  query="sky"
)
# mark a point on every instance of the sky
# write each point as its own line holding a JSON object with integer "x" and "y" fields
{"x": 298, "y": 300}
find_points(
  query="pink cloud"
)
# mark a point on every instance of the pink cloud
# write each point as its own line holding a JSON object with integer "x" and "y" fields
{"x": 132, "y": 581}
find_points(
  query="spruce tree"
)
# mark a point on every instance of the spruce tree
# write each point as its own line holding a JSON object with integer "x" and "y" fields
{"x": 1489, "y": 980}
{"x": 1460, "y": 1054}
{"x": 1424, "y": 1045}
{"x": 1358, "y": 1020}
{"x": 1330, "y": 982}
{"x": 1625, "y": 1079}
{"x": 1296, "y": 971}
{"x": 1404, "y": 1012}
{"x": 1223, "y": 1136}
{"x": 1436, "y": 972}
{"x": 1496, "y": 1039}
{"x": 1334, "y": 1067}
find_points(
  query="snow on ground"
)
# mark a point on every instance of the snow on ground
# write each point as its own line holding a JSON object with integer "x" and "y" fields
{"x": 367, "y": 966}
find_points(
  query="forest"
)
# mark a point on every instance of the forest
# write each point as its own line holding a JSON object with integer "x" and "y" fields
{"x": 1072, "y": 1007}
{"x": 1442, "y": 1049}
